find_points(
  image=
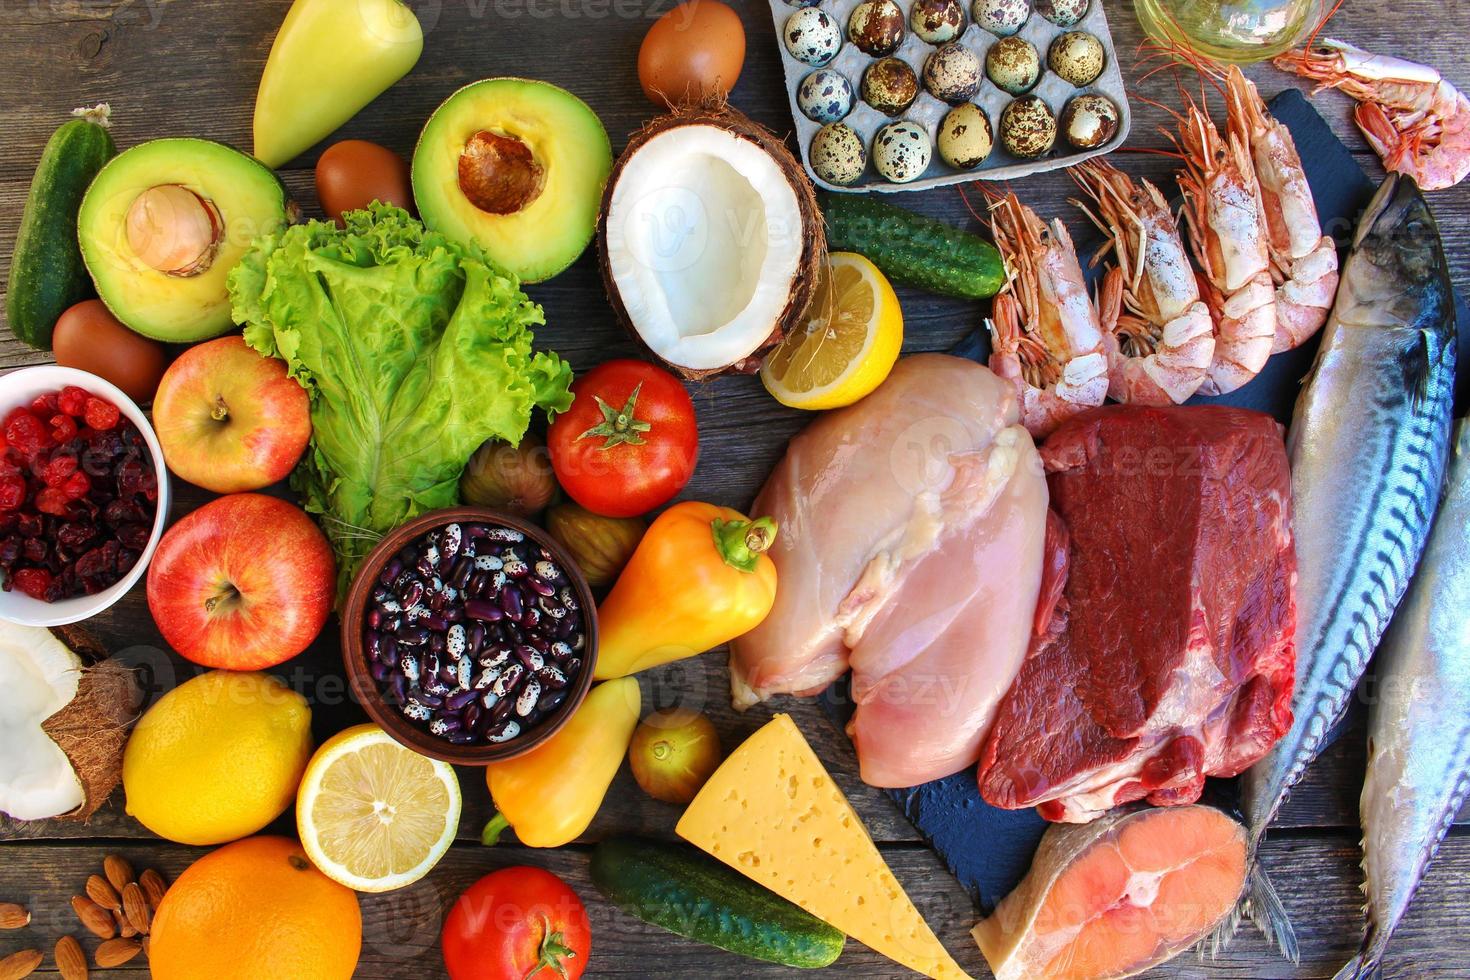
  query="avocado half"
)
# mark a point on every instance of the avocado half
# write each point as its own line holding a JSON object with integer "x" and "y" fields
{"x": 162, "y": 226}
{"x": 518, "y": 167}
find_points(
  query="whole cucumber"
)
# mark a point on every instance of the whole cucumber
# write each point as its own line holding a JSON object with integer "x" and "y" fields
{"x": 680, "y": 889}
{"x": 912, "y": 248}
{"x": 47, "y": 275}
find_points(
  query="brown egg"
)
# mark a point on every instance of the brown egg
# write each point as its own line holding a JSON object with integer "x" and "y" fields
{"x": 88, "y": 337}
{"x": 695, "y": 49}
{"x": 354, "y": 173}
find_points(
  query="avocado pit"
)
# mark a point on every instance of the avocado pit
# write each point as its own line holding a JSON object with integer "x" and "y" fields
{"x": 499, "y": 174}
{"x": 174, "y": 230}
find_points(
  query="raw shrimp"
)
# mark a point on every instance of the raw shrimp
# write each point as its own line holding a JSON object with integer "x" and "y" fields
{"x": 1414, "y": 119}
{"x": 1303, "y": 260}
{"x": 1157, "y": 333}
{"x": 1222, "y": 213}
{"x": 1045, "y": 333}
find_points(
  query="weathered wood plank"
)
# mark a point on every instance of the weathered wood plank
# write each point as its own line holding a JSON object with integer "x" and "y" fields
{"x": 1317, "y": 879}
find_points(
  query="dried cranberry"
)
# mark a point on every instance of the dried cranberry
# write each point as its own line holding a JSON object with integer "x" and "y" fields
{"x": 12, "y": 492}
{"x": 74, "y": 535}
{"x": 52, "y": 500}
{"x": 96, "y": 561}
{"x": 35, "y": 550}
{"x": 134, "y": 536}
{"x": 131, "y": 476}
{"x": 73, "y": 400}
{"x": 32, "y": 581}
{"x": 77, "y": 486}
{"x": 63, "y": 428}
{"x": 58, "y": 469}
{"x": 29, "y": 525}
{"x": 102, "y": 414}
{"x": 25, "y": 433}
{"x": 122, "y": 511}
{"x": 45, "y": 404}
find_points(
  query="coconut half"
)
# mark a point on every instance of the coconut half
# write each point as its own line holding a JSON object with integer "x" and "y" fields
{"x": 63, "y": 723}
{"x": 710, "y": 240}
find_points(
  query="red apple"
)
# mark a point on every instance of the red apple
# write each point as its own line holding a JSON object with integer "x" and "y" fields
{"x": 230, "y": 419}
{"x": 243, "y": 583}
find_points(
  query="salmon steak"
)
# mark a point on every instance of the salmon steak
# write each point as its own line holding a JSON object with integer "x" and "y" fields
{"x": 1112, "y": 898}
{"x": 1170, "y": 655}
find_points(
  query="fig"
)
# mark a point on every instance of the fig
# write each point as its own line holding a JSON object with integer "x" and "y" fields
{"x": 600, "y": 546}
{"x": 513, "y": 479}
{"x": 673, "y": 754}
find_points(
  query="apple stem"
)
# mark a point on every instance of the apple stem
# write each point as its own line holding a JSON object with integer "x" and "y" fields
{"x": 221, "y": 411}
{"x": 214, "y": 601}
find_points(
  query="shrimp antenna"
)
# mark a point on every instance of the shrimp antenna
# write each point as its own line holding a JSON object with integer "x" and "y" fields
{"x": 1312, "y": 40}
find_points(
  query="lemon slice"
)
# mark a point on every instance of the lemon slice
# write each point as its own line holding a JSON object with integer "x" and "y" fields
{"x": 848, "y": 343}
{"x": 374, "y": 815}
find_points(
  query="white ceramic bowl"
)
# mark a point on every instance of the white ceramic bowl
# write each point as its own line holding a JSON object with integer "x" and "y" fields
{"x": 20, "y": 388}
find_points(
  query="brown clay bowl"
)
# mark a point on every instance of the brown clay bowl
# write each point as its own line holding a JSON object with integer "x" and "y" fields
{"x": 369, "y": 692}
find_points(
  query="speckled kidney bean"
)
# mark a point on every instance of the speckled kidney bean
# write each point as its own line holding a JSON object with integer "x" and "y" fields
{"x": 474, "y": 633}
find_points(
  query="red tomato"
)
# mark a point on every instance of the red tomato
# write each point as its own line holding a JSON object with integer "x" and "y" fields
{"x": 629, "y": 442}
{"x": 517, "y": 923}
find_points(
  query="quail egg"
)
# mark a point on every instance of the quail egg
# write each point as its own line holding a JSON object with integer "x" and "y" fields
{"x": 952, "y": 73}
{"x": 825, "y": 96}
{"x": 837, "y": 154}
{"x": 1063, "y": 13}
{"x": 1001, "y": 17}
{"x": 1027, "y": 127}
{"x": 1076, "y": 56}
{"x": 812, "y": 36}
{"x": 876, "y": 27}
{"x": 1090, "y": 120}
{"x": 965, "y": 137}
{"x": 890, "y": 86}
{"x": 1013, "y": 64}
{"x": 901, "y": 151}
{"x": 937, "y": 21}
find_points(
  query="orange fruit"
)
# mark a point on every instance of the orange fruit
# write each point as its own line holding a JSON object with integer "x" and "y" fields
{"x": 256, "y": 908}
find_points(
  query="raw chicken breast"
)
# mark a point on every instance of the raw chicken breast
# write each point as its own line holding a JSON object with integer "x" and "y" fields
{"x": 910, "y": 549}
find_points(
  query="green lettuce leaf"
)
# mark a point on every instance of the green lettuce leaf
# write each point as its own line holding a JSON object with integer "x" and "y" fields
{"x": 414, "y": 349}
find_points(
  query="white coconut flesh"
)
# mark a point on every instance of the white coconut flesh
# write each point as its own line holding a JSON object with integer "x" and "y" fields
{"x": 38, "y": 677}
{"x": 704, "y": 243}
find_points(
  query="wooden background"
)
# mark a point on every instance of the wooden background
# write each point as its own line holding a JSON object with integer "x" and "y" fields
{"x": 189, "y": 67}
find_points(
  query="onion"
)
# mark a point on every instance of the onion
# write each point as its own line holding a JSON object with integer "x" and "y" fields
{"x": 673, "y": 754}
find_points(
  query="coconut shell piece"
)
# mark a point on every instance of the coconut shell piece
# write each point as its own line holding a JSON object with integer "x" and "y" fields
{"x": 93, "y": 728}
{"x": 715, "y": 111}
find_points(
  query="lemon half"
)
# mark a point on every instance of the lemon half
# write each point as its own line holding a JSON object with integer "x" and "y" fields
{"x": 848, "y": 344}
{"x": 373, "y": 815}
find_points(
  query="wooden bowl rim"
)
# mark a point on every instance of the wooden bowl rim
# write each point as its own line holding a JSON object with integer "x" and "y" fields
{"x": 367, "y": 691}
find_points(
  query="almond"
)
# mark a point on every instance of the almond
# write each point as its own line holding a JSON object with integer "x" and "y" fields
{"x": 135, "y": 907}
{"x": 97, "y": 920}
{"x": 153, "y": 886}
{"x": 14, "y": 916}
{"x": 124, "y": 927}
{"x": 19, "y": 965}
{"x": 118, "y": 871}
{"x": 71, "y": 962}
{"x": 116, "y": 952}
{"x": 99, "y": 891}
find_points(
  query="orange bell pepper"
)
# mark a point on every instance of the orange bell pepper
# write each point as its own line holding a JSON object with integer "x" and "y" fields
{"x": 550, "y": 794}
{"x": 699, "y": 578}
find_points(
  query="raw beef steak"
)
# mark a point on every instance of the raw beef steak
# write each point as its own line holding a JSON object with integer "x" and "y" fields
{"x": 1170, "y": 655}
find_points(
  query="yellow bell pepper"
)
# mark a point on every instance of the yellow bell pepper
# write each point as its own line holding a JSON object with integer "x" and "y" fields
{"x": 550, "y": 794}
{"x": 699, "y": 578}
{"x": 329, "y": 60}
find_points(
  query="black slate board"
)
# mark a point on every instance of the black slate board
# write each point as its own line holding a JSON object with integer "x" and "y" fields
{"x": 989, "y": 850}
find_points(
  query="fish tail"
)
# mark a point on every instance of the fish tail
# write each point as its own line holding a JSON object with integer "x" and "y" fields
{"x": 1264, "y": 907}
{"x": 1366, "y": 964}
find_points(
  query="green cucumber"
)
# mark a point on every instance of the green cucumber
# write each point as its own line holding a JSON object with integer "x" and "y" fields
{"x": 47, "y": 275}
{"x": 913, "y": 249}
{"x": 680, "y": 889}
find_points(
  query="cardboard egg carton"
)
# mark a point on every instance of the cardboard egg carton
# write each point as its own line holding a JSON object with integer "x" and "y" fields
{"x": 927, "y": 111}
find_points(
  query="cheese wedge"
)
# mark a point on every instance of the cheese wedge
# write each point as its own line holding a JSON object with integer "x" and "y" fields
{"x": 773, "y": 813}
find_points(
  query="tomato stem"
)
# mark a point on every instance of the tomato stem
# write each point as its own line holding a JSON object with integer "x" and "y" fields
{"x": 553, "y": 951}
{"x": 619, "y": 427}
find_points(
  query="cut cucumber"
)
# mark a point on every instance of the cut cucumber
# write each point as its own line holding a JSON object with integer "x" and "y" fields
{"x": 47, "y": 276}
{"x": 680, "y": 889}
{"x": 913, "y": 249}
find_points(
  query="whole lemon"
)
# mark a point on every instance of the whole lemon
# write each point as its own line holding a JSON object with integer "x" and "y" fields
{"x": 217, "y": 758}
{"x": 252, "y": 909}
